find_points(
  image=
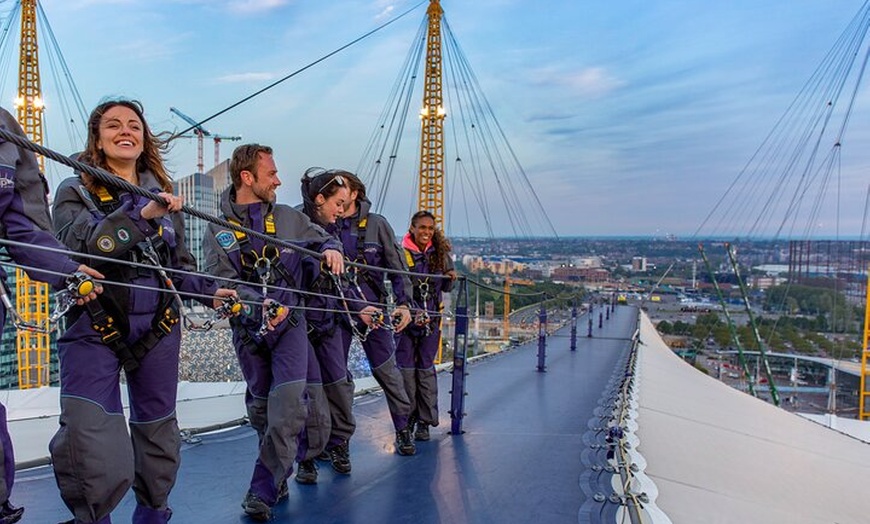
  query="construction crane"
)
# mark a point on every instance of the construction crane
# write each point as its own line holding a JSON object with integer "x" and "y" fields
{"x": 31, "y": 297}
{"x": 201, "y": 132}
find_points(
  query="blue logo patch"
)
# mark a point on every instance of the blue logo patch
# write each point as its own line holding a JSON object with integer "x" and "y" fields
{"x": 225, "y": 239}
{"x": 7, "y": 177}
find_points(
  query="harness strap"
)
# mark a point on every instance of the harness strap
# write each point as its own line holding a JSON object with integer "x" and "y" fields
{"x": 372, "y": 282}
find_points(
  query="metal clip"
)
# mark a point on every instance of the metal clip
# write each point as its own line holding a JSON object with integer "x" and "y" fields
{"x": 17, "y": 321}
{"x": 231, "y": 307}
{"x": 78, "y": 286}
{"x": 270, "y": 313}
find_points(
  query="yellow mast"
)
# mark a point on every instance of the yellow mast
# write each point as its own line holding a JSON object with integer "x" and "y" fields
{"x": 431, "y": 194}
{"x": 431, "y": 183}
{"x": 863, "y": 413}
{"x": 31, "y": 298}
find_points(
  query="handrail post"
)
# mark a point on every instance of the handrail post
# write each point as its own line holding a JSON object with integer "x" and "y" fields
{"x": 542, "y": 338}
{"x": 574, "y": 326}
{"x": 589, "y": 313}
{"x": 460, "y": 340}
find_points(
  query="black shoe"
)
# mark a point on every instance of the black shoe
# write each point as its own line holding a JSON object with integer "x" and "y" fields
{"x": 324, "y": 456}
{"x": 256, "y": 509}
{"x": 283, "y": 492}
{"x": 340, "y": 457}
{"x": 9, "y": 513}
{"x": 404, "y": 443}
{"x": 422, "y": 432}
{"x": 306, "y": 473}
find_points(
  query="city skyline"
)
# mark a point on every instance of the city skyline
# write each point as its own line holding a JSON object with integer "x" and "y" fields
{"x": 629, "y": 118}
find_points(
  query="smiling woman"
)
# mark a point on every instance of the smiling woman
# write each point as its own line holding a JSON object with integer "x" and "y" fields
{"x": 95, "y": 460}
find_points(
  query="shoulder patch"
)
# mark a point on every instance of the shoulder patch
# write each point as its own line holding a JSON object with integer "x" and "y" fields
{"x": 123, "y": 235}
{"x": 106, "y": 244}
{"x": 7, "y": 177}
{"x": 225, "y": 239}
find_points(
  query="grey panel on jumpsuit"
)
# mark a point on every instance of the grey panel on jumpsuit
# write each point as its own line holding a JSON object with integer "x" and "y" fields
{"x": 156, "y": 451}
{"x": 286, "y": 418}
{"x": 92, "y": 489}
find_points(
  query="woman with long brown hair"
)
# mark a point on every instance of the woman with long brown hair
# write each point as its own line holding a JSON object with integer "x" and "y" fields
{"x": 134, "y": 328}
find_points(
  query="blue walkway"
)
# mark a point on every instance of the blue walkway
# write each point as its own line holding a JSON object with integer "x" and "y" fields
{"x": 519, "y": 459}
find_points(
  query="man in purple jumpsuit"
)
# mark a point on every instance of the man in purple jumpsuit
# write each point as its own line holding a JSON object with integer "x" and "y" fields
{"x": 275, "y": 363}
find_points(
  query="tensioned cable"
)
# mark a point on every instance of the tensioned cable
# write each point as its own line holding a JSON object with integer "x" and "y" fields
{"x": 109, "y": 179}
{"x": 183, "y": 294}
{"x": 184, "y": 272}
{"x": 300, "y": 70}
{"x": 178, "y": 271}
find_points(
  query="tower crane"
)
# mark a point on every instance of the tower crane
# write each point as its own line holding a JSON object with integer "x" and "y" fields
{"x": 201, "y": 132}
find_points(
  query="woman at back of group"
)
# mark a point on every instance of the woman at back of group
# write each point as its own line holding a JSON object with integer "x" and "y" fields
{"x": 324, "y": 196}
{"x": 427, "y": 252}
{"x": 95, "y": 460}
{"x": 368, "y": 239}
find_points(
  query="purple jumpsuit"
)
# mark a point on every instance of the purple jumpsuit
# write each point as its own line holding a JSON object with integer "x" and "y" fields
{"x": 379, "y": 250}
{"x": 276, "y": 366}
{"x": 24, "y": 218}
{"x": 95, "y": 460}
{"x": 416, "y": 345}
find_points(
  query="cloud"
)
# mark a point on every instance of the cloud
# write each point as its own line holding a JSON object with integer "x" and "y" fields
{"x": 256, "y": 6}
{"x": 245, "y": 78}
{"x": 386, "y": 11}
{"x": 591, "y": 82}
{"x": 550, "y": 117}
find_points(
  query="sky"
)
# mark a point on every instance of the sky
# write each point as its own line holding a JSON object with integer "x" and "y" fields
{"x": 628, "y": 117}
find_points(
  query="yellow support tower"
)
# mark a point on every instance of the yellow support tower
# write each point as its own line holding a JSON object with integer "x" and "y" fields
{"x": 431, "y": 183}
{"x": 431, "y": 195}
{"x": 863, "y": 413}
{"x": 31, "y": 297}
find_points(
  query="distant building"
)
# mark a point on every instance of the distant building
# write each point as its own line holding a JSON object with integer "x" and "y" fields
{"x": 202, "y": 191}
{"x": 500, "y": 266}
{"x": 587, "y": 262}
{"x": 580, "y": 274}
{"x": 638, "y": 264}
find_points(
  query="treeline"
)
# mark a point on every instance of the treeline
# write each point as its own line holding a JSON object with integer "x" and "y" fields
{"x": 558, "y": 295}
{"x": 826, "y": 308}
{"x": 785, "y": 334}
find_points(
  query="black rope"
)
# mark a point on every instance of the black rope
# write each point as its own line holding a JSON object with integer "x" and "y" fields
{"x": 109, "y": 179}
{"x": 294, "y": 73}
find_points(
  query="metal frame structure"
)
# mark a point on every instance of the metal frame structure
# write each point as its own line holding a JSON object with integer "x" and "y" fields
{"x": 31, "y": 297}
{"x": 431, "y": 183}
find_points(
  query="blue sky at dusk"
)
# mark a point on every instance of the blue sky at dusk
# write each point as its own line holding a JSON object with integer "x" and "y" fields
{"x": 629, "y": 117}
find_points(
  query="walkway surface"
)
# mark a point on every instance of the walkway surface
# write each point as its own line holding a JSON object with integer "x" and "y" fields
{"x": 518, "y": 459}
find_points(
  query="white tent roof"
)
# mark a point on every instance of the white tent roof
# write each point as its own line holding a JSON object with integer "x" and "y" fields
{"x": 720, "y": 455}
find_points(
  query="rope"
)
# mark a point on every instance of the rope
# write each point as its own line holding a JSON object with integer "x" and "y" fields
{"x": 294, "y": 73}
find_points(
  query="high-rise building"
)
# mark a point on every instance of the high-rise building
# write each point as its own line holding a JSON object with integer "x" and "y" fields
{"x": 202, "y": 191}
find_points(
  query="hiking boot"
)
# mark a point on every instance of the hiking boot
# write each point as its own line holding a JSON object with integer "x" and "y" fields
{"x": 324, "y": 456}
{"x": 422, "y": 432}
{"x": 9, "y": 513}
{"x": 283, "y": 492}
{"x": 256, "y": 509}
{"x": 340, "y": 457}
{"x": 306, "y": 473}
{"x": 404, "y": 443}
